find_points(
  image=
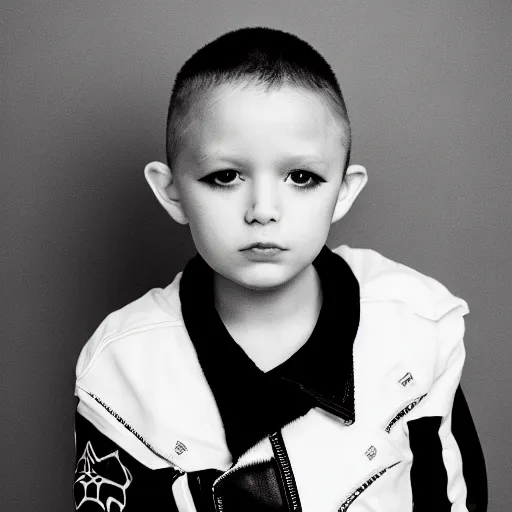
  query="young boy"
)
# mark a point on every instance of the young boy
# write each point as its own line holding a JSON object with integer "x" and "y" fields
{"x": 272, "y": 373}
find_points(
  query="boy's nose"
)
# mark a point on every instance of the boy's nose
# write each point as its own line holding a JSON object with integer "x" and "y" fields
{"x": 263, "y": 204}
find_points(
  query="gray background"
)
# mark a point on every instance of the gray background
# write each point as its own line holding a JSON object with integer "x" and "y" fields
{"x": 86, "y": 87}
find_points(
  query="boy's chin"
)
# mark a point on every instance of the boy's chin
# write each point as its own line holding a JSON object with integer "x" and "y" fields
{"x": 264, "y": 279}
{"x": 263, "y": 286}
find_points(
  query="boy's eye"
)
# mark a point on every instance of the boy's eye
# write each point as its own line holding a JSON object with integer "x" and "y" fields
{"x": 221, "y": 178}
{"x": 305, "y": 179}
{"x": 301, "y": 178}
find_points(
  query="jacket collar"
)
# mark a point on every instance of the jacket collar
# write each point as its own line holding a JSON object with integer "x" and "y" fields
{"x": 252, "y": 403}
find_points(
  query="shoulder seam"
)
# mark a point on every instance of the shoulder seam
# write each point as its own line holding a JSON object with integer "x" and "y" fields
{"x": 107, "y": 340}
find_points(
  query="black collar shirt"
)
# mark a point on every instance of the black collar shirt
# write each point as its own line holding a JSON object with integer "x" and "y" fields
{"x": 252, "y": 403}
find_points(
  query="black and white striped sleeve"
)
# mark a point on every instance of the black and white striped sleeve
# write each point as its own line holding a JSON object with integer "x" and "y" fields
{"x": 448, "y": 470}
{"x": 429, "y": 477}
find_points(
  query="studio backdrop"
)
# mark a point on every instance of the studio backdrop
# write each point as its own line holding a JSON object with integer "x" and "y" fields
{"x": 85, "y": 88}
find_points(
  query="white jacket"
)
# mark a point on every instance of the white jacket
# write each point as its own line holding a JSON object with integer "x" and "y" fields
{"x": 140, "y": 385}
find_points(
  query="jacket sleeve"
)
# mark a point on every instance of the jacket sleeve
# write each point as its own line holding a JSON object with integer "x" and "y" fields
{"x": 473, "y": 461}
{"x": 109, "y": 478}
{"x": 438, "y": 480}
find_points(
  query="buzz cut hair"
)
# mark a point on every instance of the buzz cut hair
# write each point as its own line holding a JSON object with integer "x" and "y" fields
{"x": 252, "y": 56}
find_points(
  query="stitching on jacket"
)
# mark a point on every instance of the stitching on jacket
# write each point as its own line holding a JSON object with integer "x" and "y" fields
{"x": 132, "y": 430}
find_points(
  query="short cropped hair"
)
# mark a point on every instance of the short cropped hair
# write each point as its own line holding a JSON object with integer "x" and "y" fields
{"x": 257, "y": 56}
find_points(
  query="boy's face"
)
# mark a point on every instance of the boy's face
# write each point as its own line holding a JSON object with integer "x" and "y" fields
{"x": 261, "y": 167}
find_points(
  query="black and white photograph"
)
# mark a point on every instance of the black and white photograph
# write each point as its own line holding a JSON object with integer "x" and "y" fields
{"x": 256, "y": 256}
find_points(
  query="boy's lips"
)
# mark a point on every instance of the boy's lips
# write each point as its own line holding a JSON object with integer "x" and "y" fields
{"x": 263, "y": 245}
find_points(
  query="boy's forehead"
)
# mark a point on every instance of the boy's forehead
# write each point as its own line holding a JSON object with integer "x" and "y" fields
{"x": 289, "y": 98}
{"x": 229, "y": 113}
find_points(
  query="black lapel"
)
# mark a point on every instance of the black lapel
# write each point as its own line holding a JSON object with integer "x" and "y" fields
{"x": 253, "y": 404}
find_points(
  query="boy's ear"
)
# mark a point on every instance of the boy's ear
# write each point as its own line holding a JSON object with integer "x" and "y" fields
{"x": 163, "y": 185}
{"x": 354, "y": 181}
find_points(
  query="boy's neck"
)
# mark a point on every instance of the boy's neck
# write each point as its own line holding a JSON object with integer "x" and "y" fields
{"x": 270, "y": 325}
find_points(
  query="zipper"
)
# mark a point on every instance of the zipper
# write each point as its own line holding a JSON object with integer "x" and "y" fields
{"x": 219, "y": 505}
{"x": 128, "y": 427}
{"x": 362, "y": 487}
{"x": 217, "y": 499}
{"x": 285, "y": 468}
{"x": 409, "y": 406}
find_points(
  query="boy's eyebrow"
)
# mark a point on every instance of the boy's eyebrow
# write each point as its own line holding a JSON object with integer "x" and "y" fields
{"x": 289, "y": 160}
